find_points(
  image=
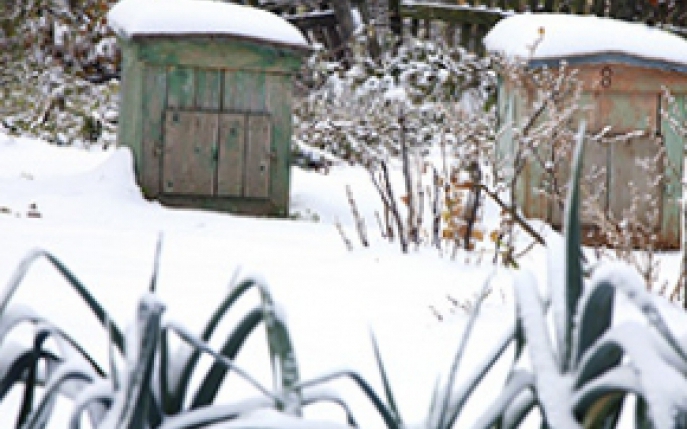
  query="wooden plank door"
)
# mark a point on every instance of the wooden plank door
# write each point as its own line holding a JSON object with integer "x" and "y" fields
{"x": 258, "y": 156}
{"x": 189, "y": 160}
{"x": 631, "y": 185}
{"x": 231, "y": 145}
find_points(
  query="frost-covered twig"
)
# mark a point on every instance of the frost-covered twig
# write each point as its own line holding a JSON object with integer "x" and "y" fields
{"x": 359, "y": 221}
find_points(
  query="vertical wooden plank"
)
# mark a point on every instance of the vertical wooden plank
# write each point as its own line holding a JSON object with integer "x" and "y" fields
{"x": 244, "y": 91}
{"x": 230, "y": 166}
{"x": 208, "y": 89}
{"x": 258, "y": 154}
{"x": 629, "y": 184}
{"x": 189, "y": 160}
{"x": 130, "y": 125}
{"x": 279, "y": 90}
{"x": 153, "y": 94}
{"x": 180, "y": 87}
{"x": 672, "y": 188}
{"x": 395, "y": 20}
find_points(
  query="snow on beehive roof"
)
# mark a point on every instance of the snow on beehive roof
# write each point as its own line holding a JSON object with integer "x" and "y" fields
{"x": 561, "y": 36}
{"x": 132, "y": 18}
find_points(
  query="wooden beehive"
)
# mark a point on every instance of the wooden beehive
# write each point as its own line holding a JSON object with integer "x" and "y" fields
{"x": 626, "y": 92}
{"x": 206, "y": 106}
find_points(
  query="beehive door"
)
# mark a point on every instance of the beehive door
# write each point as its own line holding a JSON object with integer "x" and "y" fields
{"x": 232, "y": 144}
{"x": 189, "y": 158}
{"x": 258, "y": 156}
{"x": 635, "y": 187}
{"x": 633, "y": 166}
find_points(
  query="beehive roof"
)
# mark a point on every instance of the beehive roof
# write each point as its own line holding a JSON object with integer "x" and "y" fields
{"x": 544, "y": 37}
{"x": 179, "y": 18}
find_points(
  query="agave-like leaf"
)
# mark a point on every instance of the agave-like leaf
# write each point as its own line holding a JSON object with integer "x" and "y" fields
{"x": 602, "y": 356}
{"x": 520, "y": 408}
{"x": 388, "y": 392}
{"x": 620, "y": 379}
{"x": 667, "y": 399}
{"x": 15, "y": 362}
{"x": 156, "y": 264}
{"x": 281, "y": 350}
{"x": 330, "y": 397}
{"x": 446, "y": 409}
{"x": 642, "y": 420}
{"x": 595, "y": 316}
{"x": 213, "y": 380}
{"x": 134, "y": 405}
{"x": 550, "y": 385}
{"x": 484, "y": 366}
{"x": 519, "y": 382}
{"x": 96, "y": 399}
{"x": 628, "y": 281}
{"x": 201, "y": 346}
{"x": 384, "y": 412}
{"x": 574, "y": 282}
{"x": 605, "y": 413}
{"x": 23, "y": 268}
{"x": 69, "y": 372}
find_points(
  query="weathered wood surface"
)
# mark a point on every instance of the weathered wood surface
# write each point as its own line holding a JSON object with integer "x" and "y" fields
{"x": 633, "y": 100}
{"x": 209, "y": 121}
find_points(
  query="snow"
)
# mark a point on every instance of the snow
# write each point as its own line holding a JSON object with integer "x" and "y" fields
{"x": 554, "y": 36}
{"x": 92, "y": 216}
{"x": 131, "y": 18}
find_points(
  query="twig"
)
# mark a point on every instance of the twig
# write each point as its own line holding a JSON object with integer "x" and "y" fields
{"x": 514, "y": 215}
{"x": 359, "y": 221}
{"x": 345, "y": 239}
{"x": 387, "y": 195}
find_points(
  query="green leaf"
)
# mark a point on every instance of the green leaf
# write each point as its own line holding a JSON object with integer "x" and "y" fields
{"x": 213, "y": 380}
{"x": 23, "y": 268}
{"x": 448, "y": 413}
{"x": 573, "y": 250}
{"x": 388, "y": 392}
{"x": 518, "y": 383}
{"x": 595, "y": 317}
{"x": 386, "y": 415}
{"x": 590, "y": 401}
{"x": 483, "y": 367}
{"x": 137, "y": 407}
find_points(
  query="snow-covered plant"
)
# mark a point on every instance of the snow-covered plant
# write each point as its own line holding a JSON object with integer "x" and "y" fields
{"x": 146, "y": 384}
{"x": 60, "y": 62}
{"x": 591, "y": 366}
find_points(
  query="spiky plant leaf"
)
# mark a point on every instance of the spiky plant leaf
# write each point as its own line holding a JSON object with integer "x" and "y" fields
{"x": 203, "y": 347}
{"x": 549, "y": 384}
{"x": 518, "y": 383}
{"x": 520, "y": 408}
{"x": 388, "y": 392}
{"x": 67, "y": 373}
{"x": 619, "y": 379}
{"x": 595, "y": 318}
{"x": 461, "y": 396}
{"x": 23, "y": 268}
{"x": 213, "y": 380}
{"x": 448, "y": 414}
{"x": 381, "y": 408}
{"x": 573, "y": 251}
{"x": 134, "y": 406}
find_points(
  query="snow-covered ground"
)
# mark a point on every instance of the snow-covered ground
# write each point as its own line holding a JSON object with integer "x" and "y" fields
{"x": 85, "y": 208}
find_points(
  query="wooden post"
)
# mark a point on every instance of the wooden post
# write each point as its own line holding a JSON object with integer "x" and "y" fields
{"x": 342, "y": 10}
{"x": 395, "y": 20}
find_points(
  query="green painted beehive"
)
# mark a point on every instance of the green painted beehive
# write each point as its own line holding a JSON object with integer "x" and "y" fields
{"x": 205, "y": 102}
{"x": 624, "y": 70}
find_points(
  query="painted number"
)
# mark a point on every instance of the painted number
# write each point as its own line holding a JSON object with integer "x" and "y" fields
{"x": 606, "y": 75}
